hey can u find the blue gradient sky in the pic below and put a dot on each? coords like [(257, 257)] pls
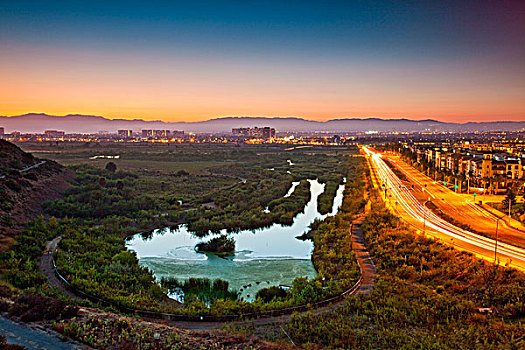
[(171, 60)]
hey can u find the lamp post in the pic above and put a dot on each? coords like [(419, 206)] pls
[(425, 215), (425, 220), (496, 245)]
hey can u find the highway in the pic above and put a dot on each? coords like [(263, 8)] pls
[(399, 198), (460, 207)]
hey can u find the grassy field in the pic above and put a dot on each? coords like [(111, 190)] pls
[(194, 167), (194, 158), (209, 187)]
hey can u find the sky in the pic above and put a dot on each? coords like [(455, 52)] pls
[(195, 60)]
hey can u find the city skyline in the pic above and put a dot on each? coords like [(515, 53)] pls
[(448, 61)]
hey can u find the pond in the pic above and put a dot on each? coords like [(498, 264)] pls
[(264, 257)]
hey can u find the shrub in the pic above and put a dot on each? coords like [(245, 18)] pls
[(34, 307)]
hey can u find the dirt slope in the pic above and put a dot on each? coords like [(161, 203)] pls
[(26, 183)]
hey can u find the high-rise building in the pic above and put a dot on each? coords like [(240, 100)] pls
[(268, 133), (161, 134), (147, 133), (125, 133), (261, 133), (2, 131)]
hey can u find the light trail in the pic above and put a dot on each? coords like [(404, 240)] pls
[(466, 240), (465, 215)]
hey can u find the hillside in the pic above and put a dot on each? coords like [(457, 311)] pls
[(13, 158), (25, 183), (75, 123)]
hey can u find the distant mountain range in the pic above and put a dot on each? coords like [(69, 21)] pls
[(74, 123)]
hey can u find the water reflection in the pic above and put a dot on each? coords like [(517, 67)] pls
[(264, 257)]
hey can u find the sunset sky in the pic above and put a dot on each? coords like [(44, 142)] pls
[(195, 60)]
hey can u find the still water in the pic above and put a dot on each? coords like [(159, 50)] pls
[(264, 257)]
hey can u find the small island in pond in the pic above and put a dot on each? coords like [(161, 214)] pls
[(221, 245)]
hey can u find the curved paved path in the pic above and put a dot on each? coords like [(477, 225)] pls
[(368, 276), (33, 338), (366, 264), (47, 269)]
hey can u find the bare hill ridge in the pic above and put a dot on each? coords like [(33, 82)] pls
[(75, 123), (25, 183)]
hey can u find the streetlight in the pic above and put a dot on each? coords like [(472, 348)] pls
[(425, 215), (425, 220), (496, 245), (510, 203)]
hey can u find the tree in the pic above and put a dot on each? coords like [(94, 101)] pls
[(182, 172), (102, 182), (511, 196), (111, 167)]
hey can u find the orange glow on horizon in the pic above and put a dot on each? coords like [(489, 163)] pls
[(180, 89)]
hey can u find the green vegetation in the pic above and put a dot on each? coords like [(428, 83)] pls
[(221, 245), (517, 209), (19, 265), (106, 331), (326, 199), (201, 289), (427, 296), (98, 263), (129, 200), (107, 203), (229, 193), (95, 259), (271, 293)]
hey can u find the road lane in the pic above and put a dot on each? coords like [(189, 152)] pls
[(460, 207), (401, 200)]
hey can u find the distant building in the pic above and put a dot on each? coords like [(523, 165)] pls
[(157, 134), (486, 166), (514, 169), (178, 134), (54, 134), (241, 131), (125, 133), (147, 133), (256, 132), (268, 133), (161, 134), (2, 131)]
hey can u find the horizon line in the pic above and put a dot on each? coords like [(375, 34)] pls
[(258, 116)]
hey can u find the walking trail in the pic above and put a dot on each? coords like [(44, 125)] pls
[(366, 264)]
